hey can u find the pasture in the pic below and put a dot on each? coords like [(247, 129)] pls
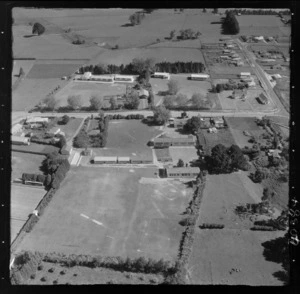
[(24, 199), (128, 138), (216, 252), (112, 212), (86, 89), (31, 91), (25, 163), (262, 25)]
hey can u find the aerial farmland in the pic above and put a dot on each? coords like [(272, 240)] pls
[(150, 146)]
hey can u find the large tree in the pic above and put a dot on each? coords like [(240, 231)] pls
[(220, 161), (173, 87), (50, 102), (96, 102), (193, 124), (132, 100), (113, 103), (38, 29), (74, 101), (238, 161), (81, 140), (161, 114)]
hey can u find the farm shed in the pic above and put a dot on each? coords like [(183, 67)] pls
[(199, 77), (103, 79), (141, 160), (125, 79), (87, 75), (162, 75), (205, 123), (262, 98), (179, 123), (166, 142), (37, 120), (260, 38), (277, 76), (123, 159), (274, 153), (143, 93), (182, 172), (17, 128), (54, 131), (105, 159), (17, 140), (218, 121), (245, 74), (163, 155)]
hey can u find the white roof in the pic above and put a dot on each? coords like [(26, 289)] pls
[(277, 76), (122, 76), (245, 74), (199, 76), (105, 158), (101, 77), (124, 158), (162, 73), (259, 38), (19, 139), (36, 119), (16, 127)]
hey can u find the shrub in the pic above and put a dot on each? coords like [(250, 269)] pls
[(63, 272), (40, 267), (32, 277), (44, 279)]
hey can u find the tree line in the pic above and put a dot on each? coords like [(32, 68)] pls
[(135, 69), (227, 86), (258, 12), (230, 24)]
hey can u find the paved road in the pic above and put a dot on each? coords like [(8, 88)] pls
[(263, 79)]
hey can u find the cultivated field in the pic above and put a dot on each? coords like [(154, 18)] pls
[(110, 212), (24, 200), (128, 138), (86, 89), (25, 163), (216, 252)]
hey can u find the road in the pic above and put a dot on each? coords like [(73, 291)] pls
[(263, 79)]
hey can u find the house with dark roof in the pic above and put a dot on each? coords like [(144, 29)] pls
[(262, 98)]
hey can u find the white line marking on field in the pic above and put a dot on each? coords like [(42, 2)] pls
[(110, 237), (83, 215), (157, 209), (98, 223)]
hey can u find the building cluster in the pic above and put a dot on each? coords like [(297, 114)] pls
[(121, 160), (111, 79)]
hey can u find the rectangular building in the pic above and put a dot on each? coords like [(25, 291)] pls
[(199, 77), (166, 142), (161, 75), (245, 74), (102, 79), (37, 120), (182, 172), (16, 140), (179, 123), (124, 79), (54, 131), (262, 98), (17, 128), (123, 159), (105, 159), (141, 160)]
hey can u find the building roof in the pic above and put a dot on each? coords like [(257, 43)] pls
[(16, 128), (245, 74), (123, 76), (144, 92), (171, 140), (123, 158), (54, 130), (162, 73), (19, 139), (218, 120), (105, 158), (199, 76), (101, 77), (183, 170), (36, 119), (263, 97)]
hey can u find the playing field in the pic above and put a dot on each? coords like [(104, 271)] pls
[(24, 199), (128, 138), (25, 163), (110, 212), (86, 89)]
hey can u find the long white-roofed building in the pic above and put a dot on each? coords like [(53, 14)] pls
[(105, 159), (199, 77), (124, 79), (162, 75)]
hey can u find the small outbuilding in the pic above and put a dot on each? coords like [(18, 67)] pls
[(17, 140), (262, 98)]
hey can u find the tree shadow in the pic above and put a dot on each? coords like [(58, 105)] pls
[(216, 22), (127, 25), (29, 36)]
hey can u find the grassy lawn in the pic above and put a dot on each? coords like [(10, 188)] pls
[(127, 138), (110, 211), (79, 275), (86, 89), (25, 163), (71, 127), (52, 71), (187, 154), (39, 148), (24, 200)]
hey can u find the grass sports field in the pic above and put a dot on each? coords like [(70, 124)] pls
[(24, 200), (128, 138), (110, 212)]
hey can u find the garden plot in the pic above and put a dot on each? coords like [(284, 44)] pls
[(112, 212), (86, 89), (25, 163), (128, 138), (24, 199)]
